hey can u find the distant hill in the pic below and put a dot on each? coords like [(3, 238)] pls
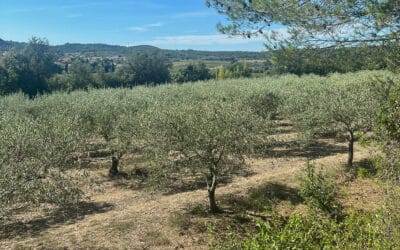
[(105, 50), (177, 55), (7, 45)]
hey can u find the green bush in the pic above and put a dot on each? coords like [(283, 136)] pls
[(388, 127), (318, 191), (359, 230), (388, 120), (370, 167)]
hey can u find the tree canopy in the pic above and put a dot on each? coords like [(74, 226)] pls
[(29, 70), (313, 22), (193, 72), (146, 68), (204, 139)]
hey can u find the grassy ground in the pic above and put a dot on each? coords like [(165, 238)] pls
[(122, 215)]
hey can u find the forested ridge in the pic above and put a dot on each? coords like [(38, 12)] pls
[(105, 50)]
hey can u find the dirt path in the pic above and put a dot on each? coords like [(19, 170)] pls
[(122, 218)]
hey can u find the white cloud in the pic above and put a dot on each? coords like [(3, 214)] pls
[(146, 27), (158, 24), (215, 42), (217, 39), (199, 40), (137, 28)]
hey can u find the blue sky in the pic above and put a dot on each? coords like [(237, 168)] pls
[(169, 24)]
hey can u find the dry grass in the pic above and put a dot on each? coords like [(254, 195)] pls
[(122, 216)]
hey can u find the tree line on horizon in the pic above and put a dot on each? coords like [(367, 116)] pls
[(37, 70)]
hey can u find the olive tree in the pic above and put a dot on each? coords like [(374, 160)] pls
[(36, 158), (344, 104), (116, 118), (203, 138)]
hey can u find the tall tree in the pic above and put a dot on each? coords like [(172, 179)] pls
[(193, 72), (146, 68), (80, 75), (3, 80), (29, 70)]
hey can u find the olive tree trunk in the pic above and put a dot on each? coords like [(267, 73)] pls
[(211, 187), (114, 167), (351, 149)]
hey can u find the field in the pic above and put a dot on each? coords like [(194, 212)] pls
[(214, 65), (250, 139)]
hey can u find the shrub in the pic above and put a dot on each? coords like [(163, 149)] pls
[(318, 192), (358, 230), (389, 130)]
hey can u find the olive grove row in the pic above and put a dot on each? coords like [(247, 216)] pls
[(203, 129)]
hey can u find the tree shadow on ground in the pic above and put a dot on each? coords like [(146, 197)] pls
[(181, 185), (261, 198), (65, 215), (257, 199), (282, 129), (131, 182), (364, 168), (314, 150), (238, 210), (175, 183)]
